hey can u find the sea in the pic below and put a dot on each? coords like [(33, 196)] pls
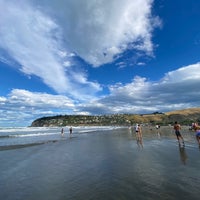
[(11, 137), (98, 163)]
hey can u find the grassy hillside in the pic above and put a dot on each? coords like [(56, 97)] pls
[(186, 116), (185, 112)]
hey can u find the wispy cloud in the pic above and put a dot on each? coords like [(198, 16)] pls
[(99, 30), (33, 40), (41, 37)]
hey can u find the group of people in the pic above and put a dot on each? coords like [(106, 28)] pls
[(70, 131), (195, 127), (177, 128)]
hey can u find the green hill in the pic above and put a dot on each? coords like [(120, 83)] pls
[(186, 117)]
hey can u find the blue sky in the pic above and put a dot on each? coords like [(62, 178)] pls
[(97, 57)]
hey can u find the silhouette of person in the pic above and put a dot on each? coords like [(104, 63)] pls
[(140, 143), (70, 131), (62, 132)]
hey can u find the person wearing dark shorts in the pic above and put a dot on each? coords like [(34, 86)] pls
[(177, 128)]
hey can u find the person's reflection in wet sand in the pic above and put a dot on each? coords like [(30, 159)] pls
[(139, 136), (139, 143), (183, 155), (158, 134)]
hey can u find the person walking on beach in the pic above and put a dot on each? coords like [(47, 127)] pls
[(70, 131), (183, 155), (157, 128), (177, 128), (136, 130), (139, 136), (62, 132)]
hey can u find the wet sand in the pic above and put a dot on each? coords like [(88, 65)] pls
[(104, 165)]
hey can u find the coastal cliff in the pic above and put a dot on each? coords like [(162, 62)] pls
[(186, 117)]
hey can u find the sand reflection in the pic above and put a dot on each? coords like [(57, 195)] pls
[(183, 154)]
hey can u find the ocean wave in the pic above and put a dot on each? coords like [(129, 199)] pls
[(33, 135), (27, 129), (21, 136)]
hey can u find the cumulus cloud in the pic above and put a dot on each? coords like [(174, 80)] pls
[(185, 73), (40, 100), (178, 89), (41, 38), (100, 30), (22, 106)]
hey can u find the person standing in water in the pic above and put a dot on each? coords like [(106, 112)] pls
[(177, 128), (62, 132), (70, 131), (139, 136), (136, 130)]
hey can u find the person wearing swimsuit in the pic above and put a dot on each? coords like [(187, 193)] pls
[(197, 130), (177, 128)]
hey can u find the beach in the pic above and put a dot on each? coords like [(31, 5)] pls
[(101, 164)]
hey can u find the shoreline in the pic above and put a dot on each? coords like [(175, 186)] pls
[(19, 146)]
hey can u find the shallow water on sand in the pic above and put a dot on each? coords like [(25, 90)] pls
[(102, 165)]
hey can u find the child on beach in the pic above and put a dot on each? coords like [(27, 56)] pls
[(177, 128)]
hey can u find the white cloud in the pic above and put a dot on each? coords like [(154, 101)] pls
[(178, 89), (2, 99), (33, 39), (39, 100), (94, 29), (141, 64), (28, 36), (21, 107), (43, 37), (186, 73)]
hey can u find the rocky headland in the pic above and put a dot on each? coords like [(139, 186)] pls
[(185, 117)]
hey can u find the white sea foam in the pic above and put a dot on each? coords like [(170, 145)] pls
[(25, 135), (25, 129), (33, 135)]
